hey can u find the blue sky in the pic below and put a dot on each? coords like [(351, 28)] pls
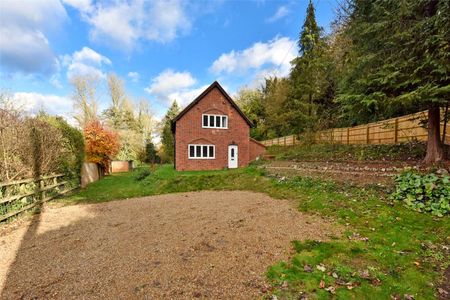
[(164, 50)]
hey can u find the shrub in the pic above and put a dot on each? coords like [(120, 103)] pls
[(341, 152), (101, 144), (72, 144), (424, 192), (142, 174)]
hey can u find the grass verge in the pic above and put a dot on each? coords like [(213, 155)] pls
[(387, 250)]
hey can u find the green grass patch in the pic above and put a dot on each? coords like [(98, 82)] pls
[(165, 180), (386, 249), (400, 251)]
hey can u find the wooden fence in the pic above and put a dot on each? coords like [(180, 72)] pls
[(21, 195), (392, 131)]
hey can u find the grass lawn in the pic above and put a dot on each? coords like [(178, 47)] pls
[(387, 250)]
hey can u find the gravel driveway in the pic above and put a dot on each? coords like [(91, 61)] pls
[(178, 246)]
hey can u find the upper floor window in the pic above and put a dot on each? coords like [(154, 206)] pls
[(214, 121)]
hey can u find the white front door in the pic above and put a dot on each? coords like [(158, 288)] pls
[(232, 156)]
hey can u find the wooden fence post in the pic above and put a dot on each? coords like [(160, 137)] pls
[(348, 135), (285, 141), (41, 187), (395, 130), (367, 135)]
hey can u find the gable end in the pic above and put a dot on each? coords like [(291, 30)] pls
[(215, 84)]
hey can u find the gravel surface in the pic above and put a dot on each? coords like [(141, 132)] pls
[(178, 246)]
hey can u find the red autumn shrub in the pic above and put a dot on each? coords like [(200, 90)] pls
[(102, 144)]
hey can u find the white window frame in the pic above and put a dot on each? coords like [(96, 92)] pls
[(201, 152), (215, 119)]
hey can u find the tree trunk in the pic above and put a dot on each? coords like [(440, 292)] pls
[(435, 150), (444, 131), (310, 105)]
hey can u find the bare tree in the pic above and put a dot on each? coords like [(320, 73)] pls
[(132, 122), (116, 89), (145, 119), (84, 98), (12, 137)]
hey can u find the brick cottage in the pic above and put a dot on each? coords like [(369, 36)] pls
[(212, 133)]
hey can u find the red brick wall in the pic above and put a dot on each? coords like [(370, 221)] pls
[(189, 131), (256, 149), (120, 166)]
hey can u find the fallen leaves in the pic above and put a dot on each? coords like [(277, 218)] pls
[(364, 274), (322, 284), (357, 237), (340, 281), (441, 291), (307, 268), (376, 282), (321, 267), (331, 289)]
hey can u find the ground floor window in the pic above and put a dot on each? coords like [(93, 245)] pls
[(201, 151)]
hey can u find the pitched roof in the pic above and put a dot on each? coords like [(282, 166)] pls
[(215, 84)]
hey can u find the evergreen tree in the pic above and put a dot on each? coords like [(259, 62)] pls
[(167, 138), (399, 63), (151, 155), (308, 76), (310, 34)]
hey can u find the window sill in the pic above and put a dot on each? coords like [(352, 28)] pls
[(223, 128)]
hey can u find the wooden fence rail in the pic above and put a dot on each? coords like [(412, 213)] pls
[(392, 131), (21, 195)]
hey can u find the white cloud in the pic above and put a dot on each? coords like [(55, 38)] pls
[(185, 96), (81, 5), (134, 76), (23, 28), (116, 23), (124, 23), (85, 62), (87, 55), (281, 12), (169, 84), (52, 104), (274, 55), (55, 81)]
